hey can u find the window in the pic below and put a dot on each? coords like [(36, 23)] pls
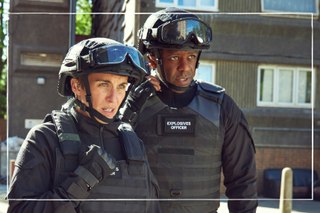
[(206, 72), (297, 6), (284, 86), (203, 5)]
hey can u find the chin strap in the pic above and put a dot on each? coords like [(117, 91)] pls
[(92, 112), (164, 80)]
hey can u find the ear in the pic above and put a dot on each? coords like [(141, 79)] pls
[(153, 61), (75, 86)]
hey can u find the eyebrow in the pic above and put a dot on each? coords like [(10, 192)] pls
[(108, 81), (177, 53), (103, 80)]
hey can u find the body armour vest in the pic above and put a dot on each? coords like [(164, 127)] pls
[(184, 149), (131, 180)]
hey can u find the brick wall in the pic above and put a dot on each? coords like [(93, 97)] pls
[(269, 158), (295, 158)]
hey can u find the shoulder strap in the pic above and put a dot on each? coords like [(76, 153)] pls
[(67, 132), (210, 91), (148, 111), (131, 144)]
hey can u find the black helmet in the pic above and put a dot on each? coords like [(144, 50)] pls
[(100, 55), (174, 28)]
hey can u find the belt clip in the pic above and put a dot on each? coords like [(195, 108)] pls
[(175, 192)]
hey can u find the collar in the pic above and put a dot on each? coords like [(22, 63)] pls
[(177, 100), (93, 128)]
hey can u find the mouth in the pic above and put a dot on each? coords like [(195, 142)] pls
[(108, 112), (183, 80)]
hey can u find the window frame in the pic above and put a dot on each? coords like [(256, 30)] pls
[(295, 95), (285, 12), (198, 7), (213, 72)]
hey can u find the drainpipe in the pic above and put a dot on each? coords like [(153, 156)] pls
[(72, 23)]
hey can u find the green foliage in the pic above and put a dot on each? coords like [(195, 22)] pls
[(83, 17), (3, 95), (3, 60)]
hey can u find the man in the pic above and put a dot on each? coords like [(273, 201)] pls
[(79, 159), (191, 129)]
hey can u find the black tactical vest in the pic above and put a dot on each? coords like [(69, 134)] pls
[(131, 180), (184, 149)]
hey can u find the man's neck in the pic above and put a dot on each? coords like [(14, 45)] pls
[(174, 99)]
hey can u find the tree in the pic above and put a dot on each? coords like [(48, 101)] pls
[(3, 61), (83, 17)]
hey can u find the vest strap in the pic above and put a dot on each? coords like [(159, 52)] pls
[(67, 132)]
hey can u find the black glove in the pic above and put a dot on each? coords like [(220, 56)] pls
[(95, 165), (136, 99)]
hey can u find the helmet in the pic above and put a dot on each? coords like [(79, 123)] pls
[(174, 28), (100, 55)]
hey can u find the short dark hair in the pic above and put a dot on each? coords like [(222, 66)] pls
[(81, 81), (152, 51)]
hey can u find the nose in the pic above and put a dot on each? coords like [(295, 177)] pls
[(112, 96), (183, 65)]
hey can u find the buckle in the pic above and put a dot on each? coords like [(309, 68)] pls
[(89, 98), (175, 192), (132, 116)]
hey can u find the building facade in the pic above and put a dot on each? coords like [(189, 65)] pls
[(264, 53), (38, 41), (261, 53)]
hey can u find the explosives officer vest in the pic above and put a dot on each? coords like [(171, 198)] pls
[(184, 149), (129, 181)]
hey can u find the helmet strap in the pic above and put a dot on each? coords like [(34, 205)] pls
[(198, 57), (92, 112)]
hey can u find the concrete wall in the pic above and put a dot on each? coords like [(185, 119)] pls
[(44, 37)]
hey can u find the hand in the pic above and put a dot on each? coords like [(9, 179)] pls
[(136, 99), (98, 162), (154, 81)]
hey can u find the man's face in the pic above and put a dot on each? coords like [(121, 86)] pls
[(179, 66), (107, 91)]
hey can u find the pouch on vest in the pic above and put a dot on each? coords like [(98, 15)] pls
[(131, 144)]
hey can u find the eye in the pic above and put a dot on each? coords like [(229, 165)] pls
[(174, 58), (192, 56), (122, 86), (103, 84)]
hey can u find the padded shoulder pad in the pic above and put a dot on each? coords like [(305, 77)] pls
[(47, 118), (210, 87), (210, 91)]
